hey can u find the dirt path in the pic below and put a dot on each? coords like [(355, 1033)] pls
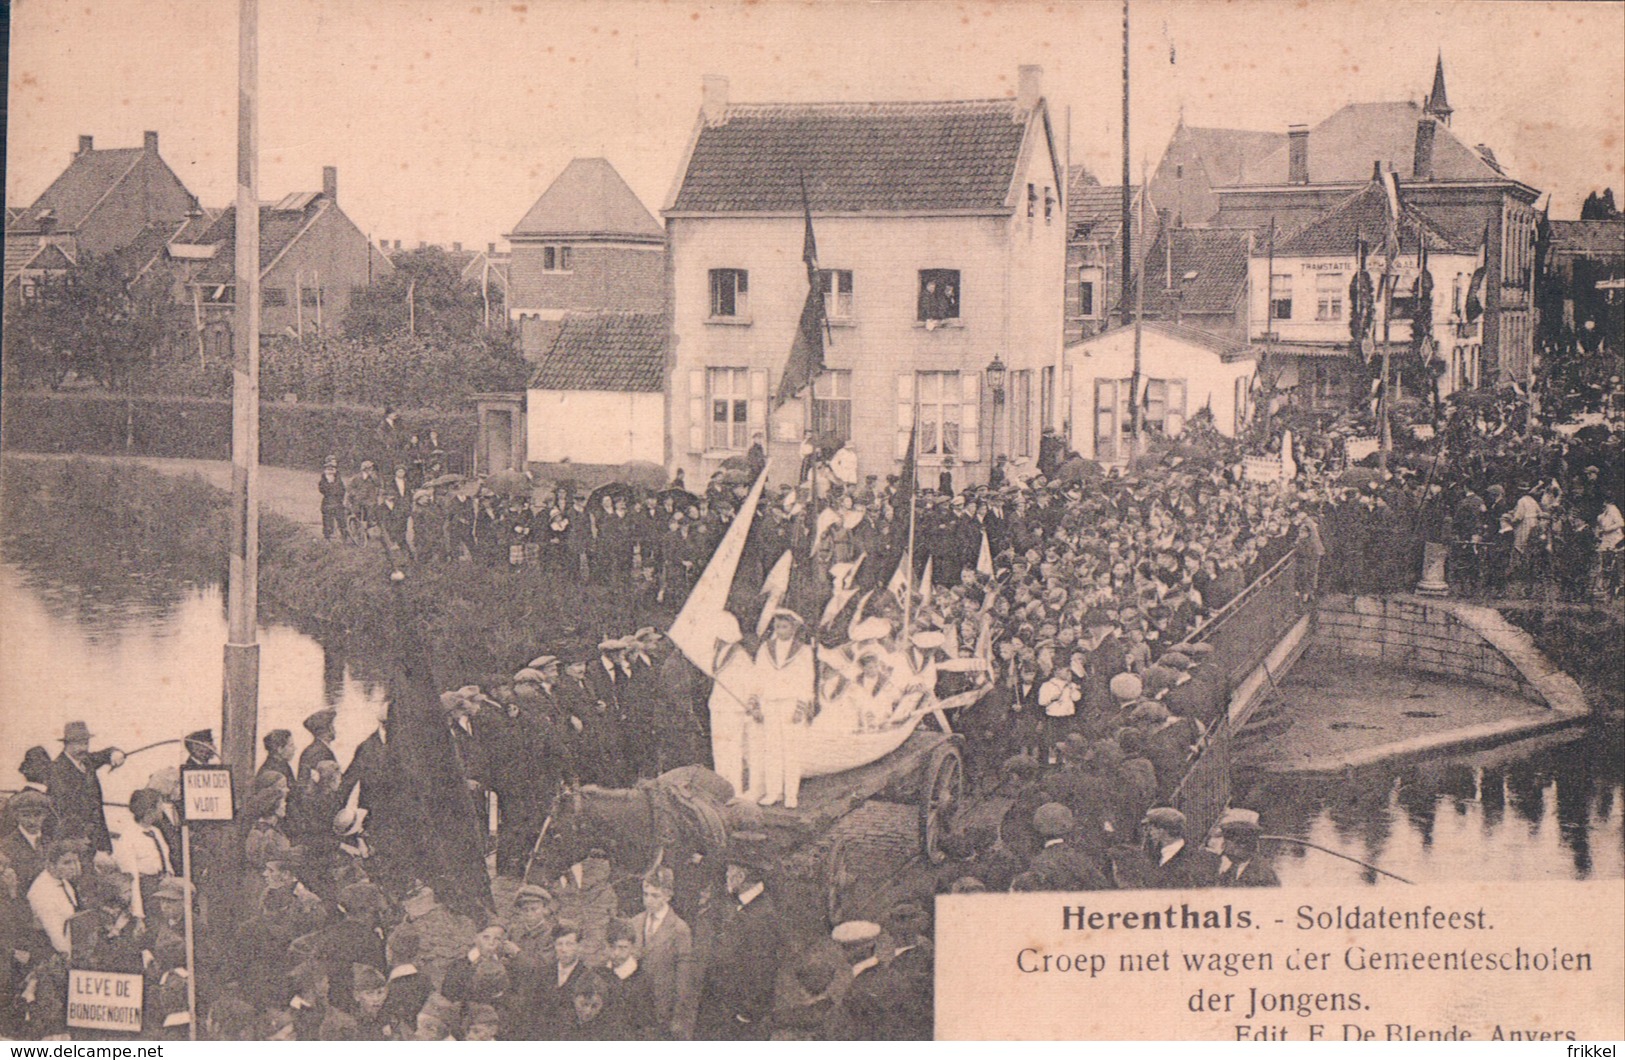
[(288, 492)]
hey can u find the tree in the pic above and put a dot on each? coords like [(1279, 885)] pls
[(94, 321), (425, 296), (1599, 206)]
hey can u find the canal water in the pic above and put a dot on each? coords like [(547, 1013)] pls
[(140, 661)]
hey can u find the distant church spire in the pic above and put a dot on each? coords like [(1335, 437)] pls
[(1438, 104)]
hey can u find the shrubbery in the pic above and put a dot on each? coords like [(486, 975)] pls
[(291, 435)]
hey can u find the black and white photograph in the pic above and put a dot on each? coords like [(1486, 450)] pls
[(604, 521)]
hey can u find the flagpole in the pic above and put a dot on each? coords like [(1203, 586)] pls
[(913, 504)]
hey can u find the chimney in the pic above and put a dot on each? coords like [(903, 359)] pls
[(1029, 87), (397, 244), (714, 99), (1422, 164), (149, 142), (86, 144), (456, 248), (490, 248), (1297, 154), (330, 183)]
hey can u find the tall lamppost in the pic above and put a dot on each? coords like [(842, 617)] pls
[(995, 384)]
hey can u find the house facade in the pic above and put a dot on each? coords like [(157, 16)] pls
[(597, 398), (1094, 252), (940, 232), (587, 245), (312, 258), (1300, 296), (98, 206), (1183, 371)]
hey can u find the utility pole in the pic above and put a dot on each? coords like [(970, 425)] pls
[(1134, 417), (1128, 235), (240, 700)]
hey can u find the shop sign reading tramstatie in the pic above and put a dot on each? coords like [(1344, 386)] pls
[(206, 793)]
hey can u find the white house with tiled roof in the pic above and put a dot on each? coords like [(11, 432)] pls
[(941, 238), (597, 396)]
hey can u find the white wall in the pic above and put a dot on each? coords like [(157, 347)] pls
[(594, 427), (1208, 378)]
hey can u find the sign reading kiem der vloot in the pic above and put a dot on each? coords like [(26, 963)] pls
[(207, 794)]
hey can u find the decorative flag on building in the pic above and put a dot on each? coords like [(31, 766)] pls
[(806, 361)]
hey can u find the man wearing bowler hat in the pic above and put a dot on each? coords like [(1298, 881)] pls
[(740, 976), (76, 790), (200, 749)]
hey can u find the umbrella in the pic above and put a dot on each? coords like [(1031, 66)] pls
[(733, 476), (1078, 470), (619, 490), (643, 473), (681, 497), (736, 463), (445, 480), (512, 483)]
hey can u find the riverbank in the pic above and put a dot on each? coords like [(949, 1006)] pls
[(105, 520)]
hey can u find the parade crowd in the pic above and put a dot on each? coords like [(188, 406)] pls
[(1066, 608)]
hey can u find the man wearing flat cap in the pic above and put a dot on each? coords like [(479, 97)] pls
[(1061, 863), (666, 952), (1175, 863), (25, 844), (76, 790), (1239, 862), (740, 975)]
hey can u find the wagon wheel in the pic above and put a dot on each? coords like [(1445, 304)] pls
[(940, 799), (838, 878)]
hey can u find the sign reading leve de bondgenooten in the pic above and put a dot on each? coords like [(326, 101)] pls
[(104, 1001)]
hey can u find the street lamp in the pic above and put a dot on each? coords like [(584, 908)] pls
[(995, 384)]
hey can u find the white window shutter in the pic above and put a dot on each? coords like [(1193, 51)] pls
[(1065, 410), (757, 412), (970, 417), (905, 412), (696, 410)]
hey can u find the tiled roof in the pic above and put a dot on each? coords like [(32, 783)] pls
[(1230, 156), (1343, 147), (855, 157), (75, 193), (1591, 238), (589, 199), (30, 254), (149, 243), (606, 351), (278, 228), (18, 254), (1218, 257), (1095, 212), (1227, 348), (1364, 215)]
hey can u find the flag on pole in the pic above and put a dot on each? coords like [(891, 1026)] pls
[(693, 630), (806, 361)]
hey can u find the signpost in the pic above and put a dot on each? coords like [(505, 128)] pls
[(205, 796)]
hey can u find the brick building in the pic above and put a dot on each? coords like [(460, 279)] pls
[(1094, 252), (941, 238), (99, 205), (588, 244)]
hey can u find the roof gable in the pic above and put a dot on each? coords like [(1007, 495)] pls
[(1364, 216), (1231, 156), (1095, 212), (856, 157), (75, 193), (589, 199), (1343, 147), (1223, 347), (279, 229), (606, 352)]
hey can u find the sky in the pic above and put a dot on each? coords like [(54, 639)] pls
[(448, 118)]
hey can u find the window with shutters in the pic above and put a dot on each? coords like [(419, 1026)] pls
[(1111, 417), (727, 392), (837, 288), (945, 408), (832, 404), (730, 295), (939, 403), (1165, 405), (939, 295)]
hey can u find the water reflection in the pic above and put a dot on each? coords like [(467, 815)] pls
[(1538, 810), (146, 666)]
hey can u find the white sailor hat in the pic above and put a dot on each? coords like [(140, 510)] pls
[(872, 628), (852, 931)]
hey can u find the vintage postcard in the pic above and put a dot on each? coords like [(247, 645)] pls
[(800, 521)]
